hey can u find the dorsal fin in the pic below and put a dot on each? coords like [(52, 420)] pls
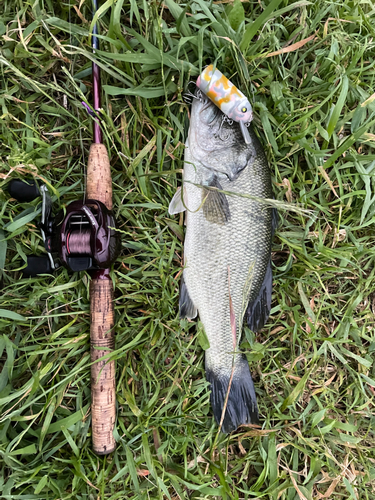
[(258, 310)]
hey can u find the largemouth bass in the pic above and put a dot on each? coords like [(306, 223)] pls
[(227, 275)]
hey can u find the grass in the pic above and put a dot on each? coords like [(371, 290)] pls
[(313, 362)]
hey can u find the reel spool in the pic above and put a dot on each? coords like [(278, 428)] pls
[(83, 235), (87, 238)]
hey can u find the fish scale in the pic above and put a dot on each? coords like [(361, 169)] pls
[(242, 245), (238, 248)]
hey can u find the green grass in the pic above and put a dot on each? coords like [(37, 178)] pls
[(313, 362)]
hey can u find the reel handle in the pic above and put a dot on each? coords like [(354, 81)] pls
[(102, 334), (23, 191), (37, 265)]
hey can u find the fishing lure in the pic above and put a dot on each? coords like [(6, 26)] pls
[(231, 101)]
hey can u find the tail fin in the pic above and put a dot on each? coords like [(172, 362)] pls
[(242, 405)]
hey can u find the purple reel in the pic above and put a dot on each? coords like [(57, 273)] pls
[(86, 236)]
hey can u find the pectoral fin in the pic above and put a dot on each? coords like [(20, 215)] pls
[(215, 204), (176, 205)]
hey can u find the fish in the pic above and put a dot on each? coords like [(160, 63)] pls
[(227, 275), (227, 97)]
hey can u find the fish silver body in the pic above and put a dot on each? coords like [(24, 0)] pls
[(227, 251)]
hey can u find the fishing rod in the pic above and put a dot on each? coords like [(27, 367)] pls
[(102, 332), (83, 238)]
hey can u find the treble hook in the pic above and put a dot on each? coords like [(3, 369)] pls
[(188, 96), (224, 119)]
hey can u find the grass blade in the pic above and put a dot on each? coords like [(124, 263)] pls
[(253, 27)]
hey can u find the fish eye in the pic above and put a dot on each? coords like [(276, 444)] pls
[(244, 109)]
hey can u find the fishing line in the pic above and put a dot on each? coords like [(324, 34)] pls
[(98, 139), (78, 242), (71, 71), (74, 55)]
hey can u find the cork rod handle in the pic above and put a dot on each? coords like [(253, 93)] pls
[(102, 333), (99, 181), (103, 384)]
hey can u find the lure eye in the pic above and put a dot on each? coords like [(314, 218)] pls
[(244, 109)]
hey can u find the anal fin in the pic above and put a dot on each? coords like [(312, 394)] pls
[(258, 310), (187, 308), (274, 221)]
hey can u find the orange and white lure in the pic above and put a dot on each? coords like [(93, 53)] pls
[(231, 101)]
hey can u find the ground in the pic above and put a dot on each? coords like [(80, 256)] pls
[(308, 70)]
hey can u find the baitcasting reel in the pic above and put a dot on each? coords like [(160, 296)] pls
[(83, 235)]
